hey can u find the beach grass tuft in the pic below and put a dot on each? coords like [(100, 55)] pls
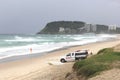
[(97, 63)]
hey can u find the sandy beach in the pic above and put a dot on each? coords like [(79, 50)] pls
[(48, 66)]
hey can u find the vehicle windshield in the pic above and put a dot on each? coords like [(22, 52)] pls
[(68, 54)]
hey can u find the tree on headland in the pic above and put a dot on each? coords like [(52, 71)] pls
[(77, 27), (53, 27)]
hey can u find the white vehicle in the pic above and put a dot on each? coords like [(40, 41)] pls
[(77, 55)]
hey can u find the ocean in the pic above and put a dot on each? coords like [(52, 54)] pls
[(15, 45)]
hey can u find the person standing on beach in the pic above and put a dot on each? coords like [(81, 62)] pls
[(30, 50)]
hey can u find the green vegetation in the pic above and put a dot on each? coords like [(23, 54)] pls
[(53, 27), (75, 27), (105, 60)]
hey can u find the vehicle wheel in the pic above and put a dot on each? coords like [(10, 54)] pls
[(62, 60)]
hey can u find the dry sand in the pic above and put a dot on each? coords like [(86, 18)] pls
[(113, 74), (47, 67)]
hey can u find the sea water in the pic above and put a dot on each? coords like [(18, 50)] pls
[(14, 45)]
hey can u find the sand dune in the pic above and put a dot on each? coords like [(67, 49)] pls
[(113, 74)]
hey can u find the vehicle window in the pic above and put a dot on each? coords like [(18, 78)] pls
[(72, 54), (68, 54), (80, 53)]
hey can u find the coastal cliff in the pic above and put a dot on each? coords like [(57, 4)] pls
[(62, 27), (77, 27)]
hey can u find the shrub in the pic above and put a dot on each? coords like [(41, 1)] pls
[(91, 70), (95, 64)]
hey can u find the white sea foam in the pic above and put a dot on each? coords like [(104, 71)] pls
[(45, 44), (22, 40)]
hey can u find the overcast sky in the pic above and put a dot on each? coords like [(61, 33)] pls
[(30, 16)]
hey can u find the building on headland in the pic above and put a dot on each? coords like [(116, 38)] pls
[(87, 27), (102, 28), (78, 27), (61, 29), (90, 27), (112, 27), (95, 28)]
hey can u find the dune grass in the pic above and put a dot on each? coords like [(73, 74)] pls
[(95, 64)]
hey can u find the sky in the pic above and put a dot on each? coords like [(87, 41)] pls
[(30, 16)]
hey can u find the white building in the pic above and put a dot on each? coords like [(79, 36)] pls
[(61, 29), (87, 27), (90, 27), (112, 27), (94, 27)]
